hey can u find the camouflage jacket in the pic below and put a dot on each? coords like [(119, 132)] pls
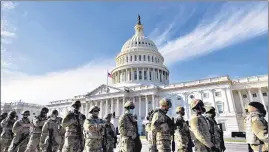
[(7, 125), (200, 133), (71, 122), (110, 132), (19, 127), (38, 123), (93, 128), (126, 125), (215, 131), (182, 133), (51, 128)]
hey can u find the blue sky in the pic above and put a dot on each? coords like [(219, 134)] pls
[(61, 49)]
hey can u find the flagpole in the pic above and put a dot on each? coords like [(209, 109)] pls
[(106, 77)]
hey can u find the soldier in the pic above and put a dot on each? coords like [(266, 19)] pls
[(256, 127), (214, 129), (161, 127), (200, 128), (50, 139), (110, 134), (73, 124), (37, 124), (183, 138), (61, 133), (21, 130), (2, 117), (7, 134), (128, 129), (94, 131)]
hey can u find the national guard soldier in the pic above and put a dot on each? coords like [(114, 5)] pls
[(2, 117), (161, 127), (61, 133), (182, 133), (200, 128), (110, 134), (7, 134), (148, 130), (37, 124), (21, 130), (256, 127), (245, 119), (73, 124), (50, 139), (128, 128), (94, 131), (214, 129)]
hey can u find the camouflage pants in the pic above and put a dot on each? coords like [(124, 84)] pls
[(201, 148), (260, 148), (18, 147), (182, 147), (93, 145), (163, 145), (33, 144), (72, 144), (127, 145), (61, 145), (5, 144), (109, 146)]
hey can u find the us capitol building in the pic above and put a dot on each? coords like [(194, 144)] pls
[(141, 76)]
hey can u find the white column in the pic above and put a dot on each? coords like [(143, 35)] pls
[(186, 105), (123, 102), (153, 102), (106, 110), (139, 106), (261, 97), (112, 106), (82, 108), (250, 96), (241, 101), (147, 105), (213, 97), (101, 109), (226, 100), (118, 108), (148, 74)]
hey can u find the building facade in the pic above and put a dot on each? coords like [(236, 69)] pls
[(141, 76), (20, 106)]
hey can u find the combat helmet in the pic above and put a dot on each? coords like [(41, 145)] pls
[(129, 104), (26, 112), (208, 109), (179, 109), (54, 112), (75, 102), (166, 102), (12, 113), (256, 107), (196, 102), (94, 108), (44, 110)]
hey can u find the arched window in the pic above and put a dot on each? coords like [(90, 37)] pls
[(135, 75), (140, 75)]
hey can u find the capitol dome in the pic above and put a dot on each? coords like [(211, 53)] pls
[(139, 62)]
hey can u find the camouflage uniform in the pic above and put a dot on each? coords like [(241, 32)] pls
[(149, 134), (182, 133), (73, 124), (2, 117), (128, 130), (110, 134), (61, 133), (50, 134), (160, 127), (38, 122), (21, 130), (200, 130), (7, 134), (256, 128), (93, 130)]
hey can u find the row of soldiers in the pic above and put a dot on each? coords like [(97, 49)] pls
[(73, 133)]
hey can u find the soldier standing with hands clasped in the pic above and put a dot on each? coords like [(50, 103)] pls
[(93, 128), (161, 127), (21, 130), (73, 124), (200, 128)]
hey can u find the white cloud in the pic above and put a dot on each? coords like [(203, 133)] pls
[(233, 24), (55, 85), (7, 5)]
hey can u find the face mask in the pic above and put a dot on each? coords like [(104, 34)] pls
[(131, 111), (53, 118)]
